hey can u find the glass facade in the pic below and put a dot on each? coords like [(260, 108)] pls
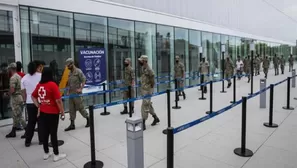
[(54, 36)]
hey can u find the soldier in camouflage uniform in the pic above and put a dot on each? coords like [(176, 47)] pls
[(282, 63), (16, 100), (245, 62), (129, 77), (75, 85), (265, 65), (147, 88), (229, 70), (258, 64), (276, 65), (179, 74), (291, 62), (204, 71)]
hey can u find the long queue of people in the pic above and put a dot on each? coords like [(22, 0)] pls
[(38, 92)]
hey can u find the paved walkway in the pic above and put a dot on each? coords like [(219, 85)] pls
[(207, 145)]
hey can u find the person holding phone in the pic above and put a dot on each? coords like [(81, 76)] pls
[(50, 106)]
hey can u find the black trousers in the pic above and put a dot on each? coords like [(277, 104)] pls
[(49, 127), (32, 120)]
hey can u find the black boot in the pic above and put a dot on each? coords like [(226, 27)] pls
[(143, 125), (12, 133), (125, 110), (24, 136), (229, 84), (132, 110), (184, 95), (88, 122), (179, 93), (71, 126), (205, 89), (156, 120), (249, 79)]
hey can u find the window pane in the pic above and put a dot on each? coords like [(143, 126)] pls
[(207, 49), (216, 38), (165, 54), (194, 56), (145, 44), (121, 46)]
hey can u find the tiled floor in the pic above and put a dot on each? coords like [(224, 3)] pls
[(207, 145)]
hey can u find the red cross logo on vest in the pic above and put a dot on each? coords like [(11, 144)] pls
[(41, 92)]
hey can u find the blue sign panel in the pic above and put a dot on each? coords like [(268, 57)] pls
[(92, 63)]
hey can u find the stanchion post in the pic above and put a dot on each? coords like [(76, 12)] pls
[(202, 93), (293, 78), (223, 75), (168, 111), (130, 103), (104, 101), (210, 98), (176, 96), (93, 163), (288, 95), (170, 148), (243, 151), (234, 89), (270, 124)]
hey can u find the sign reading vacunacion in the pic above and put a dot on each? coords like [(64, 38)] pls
[(92, 63)]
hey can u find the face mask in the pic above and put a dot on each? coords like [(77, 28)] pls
[(126, 64), (141, 63), (176, 61), (70, 67)]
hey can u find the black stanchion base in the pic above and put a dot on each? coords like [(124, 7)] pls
[(232, 102), (176, 107), (165, 131), (60, 143), (104, 113), (202, 98), (245, 153), (208, 112), (250, 94), (98, 164), (223, 91), (270, 125), (288, 108)]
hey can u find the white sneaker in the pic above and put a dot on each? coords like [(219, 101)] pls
[(59, 157), (47, 155)]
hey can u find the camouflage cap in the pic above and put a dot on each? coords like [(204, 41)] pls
[(143, 58), (128, 60), (12, 65), (69, 61)]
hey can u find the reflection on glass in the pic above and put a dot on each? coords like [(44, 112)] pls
[(145, 44), (181, 47), (194, 60), (216, 38), (207, 49), (165, 54), (232, 48), (120, 46)]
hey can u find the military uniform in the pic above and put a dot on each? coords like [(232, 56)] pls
[(229, 70), (75, 80), (282, 64), (147, 88), (258, 63), (265, 65), (179, 70), (276, 65), (291, 63), (204, 71), (16, 102), (129, 77), (245, 62)]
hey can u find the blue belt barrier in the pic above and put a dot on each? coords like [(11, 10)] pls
[(205, 118), (280, 82), (128, 100), (259, 92)]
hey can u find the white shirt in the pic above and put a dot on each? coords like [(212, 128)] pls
[(239, 64), (29, 83)]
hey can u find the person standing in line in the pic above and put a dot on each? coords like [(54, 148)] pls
[(229, 66), (179, 74), (239, 68), (129, 80), (282, 63), (266, 63), (258, 64), (245, 62), (47, 98), (275, 64), (28, 85), (204, 69), (19, 69), (291, 62), (147, 88), (75, 85), (16, 100)]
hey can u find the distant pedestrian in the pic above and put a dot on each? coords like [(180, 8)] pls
[(179, 75), (129, 80)]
